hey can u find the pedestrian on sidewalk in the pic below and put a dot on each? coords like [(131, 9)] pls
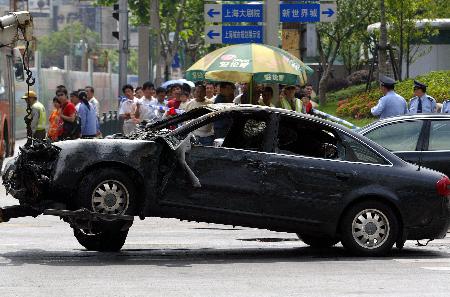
[(38, 116), (146, 106), (391, 104), (205, 134), (92, 100), (71, 127), (288, 100), (128, 109), (55, 127), (421, 103), (267, 96), (88, 118)]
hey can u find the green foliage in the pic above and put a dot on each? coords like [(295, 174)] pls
[(359, 105), (345, 93), (54, 46)]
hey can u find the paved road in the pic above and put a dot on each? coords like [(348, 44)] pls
[(165, 257)]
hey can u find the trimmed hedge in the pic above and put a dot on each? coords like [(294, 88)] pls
[(359, 105)]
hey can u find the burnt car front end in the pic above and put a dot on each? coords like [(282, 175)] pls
[(48, 176)]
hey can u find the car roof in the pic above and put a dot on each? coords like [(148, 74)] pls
[(250, 107), (419, 116)]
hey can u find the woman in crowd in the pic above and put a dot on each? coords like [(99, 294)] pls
[(88, 117), (55, 122)]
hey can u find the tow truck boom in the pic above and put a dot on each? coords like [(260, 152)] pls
[(15, 26)]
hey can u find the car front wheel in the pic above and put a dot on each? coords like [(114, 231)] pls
[(369, 228), (106, 191)]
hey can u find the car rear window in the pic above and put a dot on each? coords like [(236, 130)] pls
[(439, 136), (399, 136)]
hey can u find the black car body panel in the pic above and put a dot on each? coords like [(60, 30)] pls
[(276, 169)]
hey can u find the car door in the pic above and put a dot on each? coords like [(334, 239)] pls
[(311, 171), (230, 175), (403, 138), (436, 151)]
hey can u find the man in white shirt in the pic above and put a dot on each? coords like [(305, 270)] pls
[(146, 106), (128, 109), (205, 134), (210, 91), (92, 100)]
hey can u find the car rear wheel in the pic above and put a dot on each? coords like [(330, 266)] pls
[(318, 242), (369, 228), (106, 191)]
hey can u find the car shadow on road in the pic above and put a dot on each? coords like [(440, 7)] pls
[(189, 257)]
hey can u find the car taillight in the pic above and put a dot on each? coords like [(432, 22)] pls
[(443, 186)]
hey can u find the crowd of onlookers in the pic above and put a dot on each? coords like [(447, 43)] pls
[(151, 104), (74, 115)]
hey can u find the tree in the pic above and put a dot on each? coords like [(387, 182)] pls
[(174, 23), (61, 43), (353, 16), (382, 46), (403, 32)]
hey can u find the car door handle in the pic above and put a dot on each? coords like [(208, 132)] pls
[(343, 176)]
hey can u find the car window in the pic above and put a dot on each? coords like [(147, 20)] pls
[(359, 152), (400, 136), (307, 138), (439, 136), (231, 130)]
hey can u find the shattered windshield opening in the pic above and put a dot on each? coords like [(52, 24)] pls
[(180, 119)]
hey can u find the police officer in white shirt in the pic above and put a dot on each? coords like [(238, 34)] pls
[(391, 104), (421, 103), (446, 106)]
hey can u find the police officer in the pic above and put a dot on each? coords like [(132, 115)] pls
[(38, 115), (421, 103), (391, 104), (446, 106)]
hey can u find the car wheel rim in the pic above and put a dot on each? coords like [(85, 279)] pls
[(370, 228), (110, 197)]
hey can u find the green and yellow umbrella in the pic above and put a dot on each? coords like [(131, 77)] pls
[(244, 62)]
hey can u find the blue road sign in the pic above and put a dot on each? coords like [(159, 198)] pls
[(234, 13), (234, 34), (304, 13), (308, 12)]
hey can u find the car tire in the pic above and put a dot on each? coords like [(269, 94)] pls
[(318, 242), (107, 191), (369, 229), (103, 241)]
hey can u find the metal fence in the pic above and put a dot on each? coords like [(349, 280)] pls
[(110, 123)]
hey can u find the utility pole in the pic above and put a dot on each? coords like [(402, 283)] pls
[(123, 43), (272, 19), (271, 28), (144, 53)]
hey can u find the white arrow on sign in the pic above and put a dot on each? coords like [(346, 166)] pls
[(213, 13), (213, 34), (328, 12)]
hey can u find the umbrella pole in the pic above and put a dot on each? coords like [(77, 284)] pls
[(251, 91)]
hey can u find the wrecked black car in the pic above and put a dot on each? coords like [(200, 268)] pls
[(274, 169)]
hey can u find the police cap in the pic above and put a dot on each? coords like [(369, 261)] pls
[(419, 85), (387, 81)]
